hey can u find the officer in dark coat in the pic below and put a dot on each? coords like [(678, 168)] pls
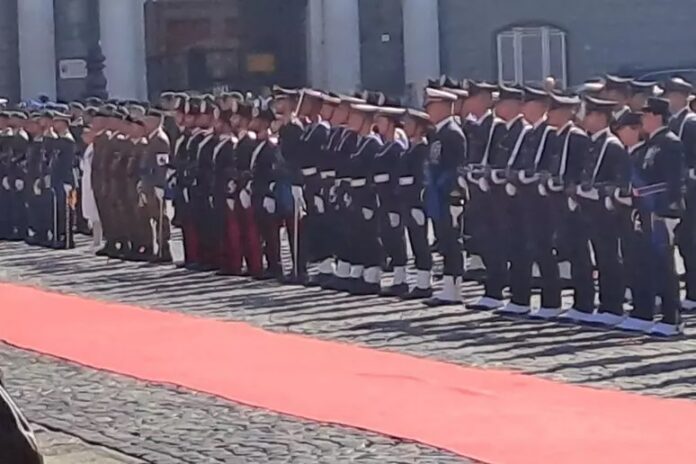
[(658, 174), (63, 181), (683, 125), (446, 192)]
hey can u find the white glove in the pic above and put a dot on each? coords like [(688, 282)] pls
[(230, 204), (542, 190), (19, 185), (186, 195), (47, 182), (455, 212), (142, 200), (670, 224), (592, 194), (626, 201), (510, 189), (231, 187), (162, 159), (572, 204), (67, 188), (461, 181), (418, 215), (37, 187), (609, 204), (319, 204), (159, 193), (483, 184), (269, 204), (6, 183), (245, 199), (368, 213), (394, 220)]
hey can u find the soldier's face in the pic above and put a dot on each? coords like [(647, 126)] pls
[(560, 116), (677, 101), (281, 106), (637, 102), (615, 95), (340, 114), (189, 120), (651, 122), (508, 109), (629, 135), (533, 111), (410, 127), (355, 120), (595, 121), (326, 112), (384, 125), (438, 111)]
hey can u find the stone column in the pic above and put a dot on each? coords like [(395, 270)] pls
[(334, 44), (37, 52), (421, 44), (122, 33)]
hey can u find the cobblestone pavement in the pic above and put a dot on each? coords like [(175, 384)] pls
[(454, 334), (60, 448)]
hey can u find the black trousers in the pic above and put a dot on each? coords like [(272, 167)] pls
[(573, 244), (490, 232), (418, 235), (520, 256), (543, 230), (317, 243), (448, 233), (686, 241), (605, 233), (5, 213), (654, 272), (391, 226), (368, 250)]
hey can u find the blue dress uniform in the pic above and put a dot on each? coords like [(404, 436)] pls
[(445, 196), (63, 184), (391, 224), (526, 224), (568, 145), (366, 256), (657, 178), (491, 141), (606, 169), (411, 189), (36, 234), (17, 174), (346, 146), (683, 125)]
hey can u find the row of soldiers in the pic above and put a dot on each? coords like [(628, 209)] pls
[(518, 176)]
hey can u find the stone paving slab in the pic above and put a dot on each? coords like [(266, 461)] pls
[(61, 448), (454, 334)]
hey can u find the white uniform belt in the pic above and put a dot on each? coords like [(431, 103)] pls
[(381, 178), (358, 182), (498, 176), (327, 174), (407, 180), (309, 171), (526, 180), (555, 187), (692, 174)]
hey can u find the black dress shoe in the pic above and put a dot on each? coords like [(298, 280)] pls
[(318, 280), (363, 288), (395, 290), (333, 283), (436, 302), (228, 273), (269, 275), (418, 294), (292, 279)]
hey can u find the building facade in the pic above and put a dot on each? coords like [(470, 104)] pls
[(344, 45)]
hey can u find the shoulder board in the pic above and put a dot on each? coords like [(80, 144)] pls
[(251, 135), (120, 136), (68, 136), (273, 140), (22, 133)]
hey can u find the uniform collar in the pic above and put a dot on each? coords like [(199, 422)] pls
[(510, 123), (479, 121), (443, 123), (598, 134), (155, 133), (681, 112), (657, 132), (564, 127), (633, 148), (541, 121)]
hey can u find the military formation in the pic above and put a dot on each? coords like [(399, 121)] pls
[(599, 184)]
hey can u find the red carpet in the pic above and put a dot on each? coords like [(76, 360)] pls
[(494, 416)]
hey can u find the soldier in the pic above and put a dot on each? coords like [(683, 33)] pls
[(77, 126), (63, 181), (411, 187), (32, 194), (356, 128), (529, 243), (87, 201), (448, 153), (202, 188), (606, 169), (658, 179), (366, 256), (264, 164), (226, 227), (17, 174), (136, 201), (501, 140), (385, 175), (683, 125), (567, 146), (156, 166)]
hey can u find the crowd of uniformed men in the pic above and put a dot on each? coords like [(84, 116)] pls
[(604, 181)]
